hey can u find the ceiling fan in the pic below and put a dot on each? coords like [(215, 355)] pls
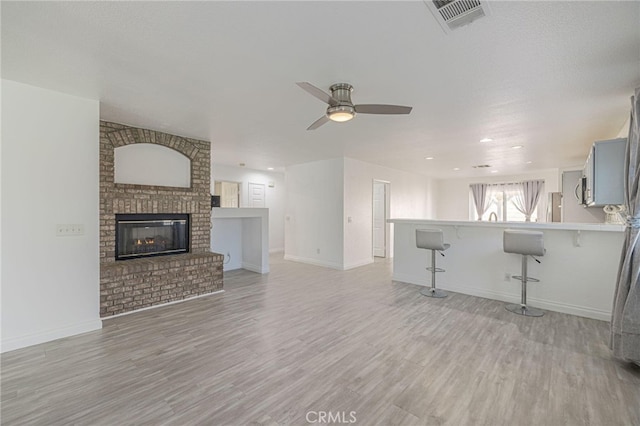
[(340, 106)]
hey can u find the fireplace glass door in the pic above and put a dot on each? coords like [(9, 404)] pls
[(145, 235)]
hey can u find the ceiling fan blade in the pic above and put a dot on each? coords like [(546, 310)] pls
[(318, 93), (319, 122), (382, 109)]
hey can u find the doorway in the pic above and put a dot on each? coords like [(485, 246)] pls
[(229, 193), (256, 195), (380, 213)]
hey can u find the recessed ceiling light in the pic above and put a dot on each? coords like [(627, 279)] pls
[(517, 146), (486, 140), (456, 168), (428, 158), (494, 171), (529, 162), (269, 168)]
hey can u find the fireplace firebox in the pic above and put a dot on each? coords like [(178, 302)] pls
[(146, 235)]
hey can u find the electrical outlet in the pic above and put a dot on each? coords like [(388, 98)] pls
[(507, 276), (318, 251)]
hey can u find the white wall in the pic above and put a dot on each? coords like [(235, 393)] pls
[(226, 239), (453, 194), (274, 196), (50, 284), (314, 211), (323, 195), (624, 130), (411, 196)]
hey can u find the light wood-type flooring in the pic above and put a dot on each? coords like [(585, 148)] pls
[(306, 339)]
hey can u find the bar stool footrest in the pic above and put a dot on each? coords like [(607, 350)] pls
[(529, 279), (430, 268)]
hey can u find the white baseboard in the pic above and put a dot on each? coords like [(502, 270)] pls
[(255, 268), (315, 262), (276, 250), (359, 263), (332, 265), (14, 343), (565, 308), (231, 266)]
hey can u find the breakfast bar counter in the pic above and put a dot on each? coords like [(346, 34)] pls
[(577, 274)]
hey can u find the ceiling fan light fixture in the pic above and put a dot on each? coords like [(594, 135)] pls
[(341, 113), (341, 116), (341, 108)]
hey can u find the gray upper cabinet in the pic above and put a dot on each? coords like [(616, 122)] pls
[(604, 173)]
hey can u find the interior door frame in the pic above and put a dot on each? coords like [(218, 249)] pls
[(387, 209)]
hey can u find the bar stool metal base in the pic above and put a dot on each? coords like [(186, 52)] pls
[(524, 310), (434, 292)]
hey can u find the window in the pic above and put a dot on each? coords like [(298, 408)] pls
[(501, 202)]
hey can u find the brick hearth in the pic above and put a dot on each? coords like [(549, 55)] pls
[(134, 284)]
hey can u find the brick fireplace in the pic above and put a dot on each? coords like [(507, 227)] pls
[(127, 285)]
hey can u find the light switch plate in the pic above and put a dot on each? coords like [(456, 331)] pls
[(69, 230)]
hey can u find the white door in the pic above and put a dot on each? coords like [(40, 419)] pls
[(256, 195), (229, 194), (379, 219)]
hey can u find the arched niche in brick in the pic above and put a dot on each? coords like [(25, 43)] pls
[(151, 164)]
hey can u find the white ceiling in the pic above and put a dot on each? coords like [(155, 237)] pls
[(550, 76)]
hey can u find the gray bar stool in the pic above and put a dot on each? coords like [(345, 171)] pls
[(526, 243), (432, 239)]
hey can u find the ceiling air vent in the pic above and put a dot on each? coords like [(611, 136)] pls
[(453, 14), (481, 166)]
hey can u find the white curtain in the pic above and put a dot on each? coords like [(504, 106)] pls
[(625, 319), (481, 197), (527, 197)]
